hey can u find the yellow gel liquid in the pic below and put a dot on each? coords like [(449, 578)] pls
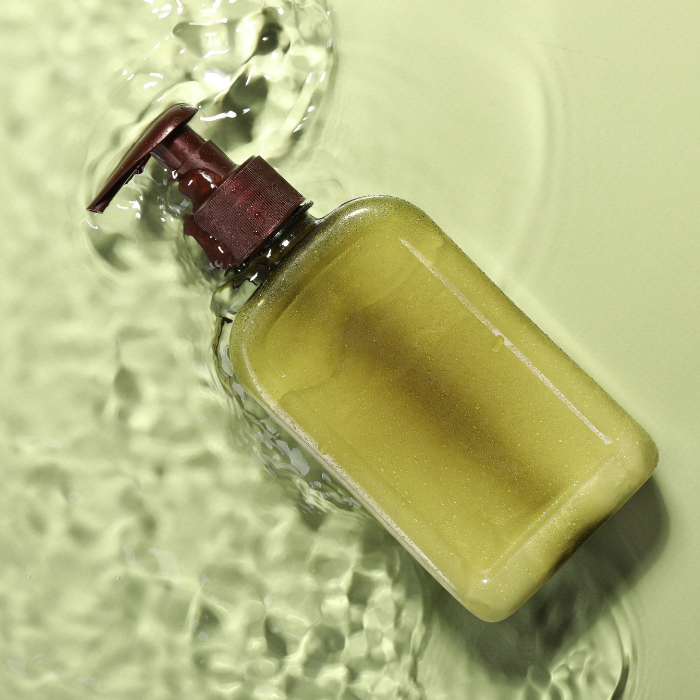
[(485, 450)]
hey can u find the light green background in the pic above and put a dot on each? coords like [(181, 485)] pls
[(557, 143)]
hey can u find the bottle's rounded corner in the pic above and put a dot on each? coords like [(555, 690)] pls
[(651, 453), (490, 604), (640, 452)]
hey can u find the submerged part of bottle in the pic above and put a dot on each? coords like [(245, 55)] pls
[(476, 441)]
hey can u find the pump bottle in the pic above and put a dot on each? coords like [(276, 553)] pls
[(477, 442)]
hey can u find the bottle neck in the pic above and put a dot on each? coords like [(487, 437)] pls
[(257, 268), (230, 296)]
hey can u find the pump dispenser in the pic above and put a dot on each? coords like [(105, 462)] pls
[(477, 442), (237, 208)]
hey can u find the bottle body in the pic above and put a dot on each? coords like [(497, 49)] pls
[(472, 437)]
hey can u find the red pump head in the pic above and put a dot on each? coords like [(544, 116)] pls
[(236, 207)]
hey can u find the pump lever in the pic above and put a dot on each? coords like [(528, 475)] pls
[(135, 159)]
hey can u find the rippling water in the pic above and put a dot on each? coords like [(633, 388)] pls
[(161, 537)]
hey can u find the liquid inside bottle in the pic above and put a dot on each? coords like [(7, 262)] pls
[(485, 449)]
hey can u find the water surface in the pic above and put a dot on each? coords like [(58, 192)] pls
[(160, 542)]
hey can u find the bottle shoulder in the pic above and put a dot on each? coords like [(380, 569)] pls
[(373, 209), (367, 230), (380, 219)]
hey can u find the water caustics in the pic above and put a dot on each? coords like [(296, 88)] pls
[(149, 555)]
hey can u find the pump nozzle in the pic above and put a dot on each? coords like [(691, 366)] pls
[(236, 207)]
